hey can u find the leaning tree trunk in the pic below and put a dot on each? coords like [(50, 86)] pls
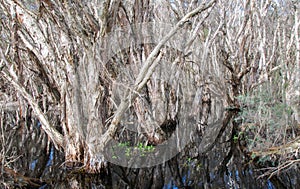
[(65, 46), (57, 40)]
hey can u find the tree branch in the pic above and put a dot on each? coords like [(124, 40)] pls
[(54, 135), (146, 72)]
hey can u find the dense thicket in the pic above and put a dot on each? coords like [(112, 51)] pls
[(76, 75)]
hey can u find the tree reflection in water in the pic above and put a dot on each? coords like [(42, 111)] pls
[(36, 164)]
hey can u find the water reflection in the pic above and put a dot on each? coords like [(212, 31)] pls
[(199, 165), (33, 164), (51, 157)]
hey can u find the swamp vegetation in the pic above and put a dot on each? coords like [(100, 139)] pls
[(149, 94)]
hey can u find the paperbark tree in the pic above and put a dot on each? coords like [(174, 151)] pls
[(58, 45), (86, 68)]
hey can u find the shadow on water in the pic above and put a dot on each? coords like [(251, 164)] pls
[(213, 160)]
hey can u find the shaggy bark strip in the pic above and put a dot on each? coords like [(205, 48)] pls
[(55, 136), (145, 73)]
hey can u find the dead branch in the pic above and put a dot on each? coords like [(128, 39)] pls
[(55, 136), (145, 73)]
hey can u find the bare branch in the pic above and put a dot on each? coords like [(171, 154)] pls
[(145, 71), (55, 136)]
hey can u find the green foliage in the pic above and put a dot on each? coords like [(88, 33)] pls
[(193, 163), (128, 150), (235, 138), (265, 116), (124, 144)]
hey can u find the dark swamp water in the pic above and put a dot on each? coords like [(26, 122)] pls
[(213, 160)]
